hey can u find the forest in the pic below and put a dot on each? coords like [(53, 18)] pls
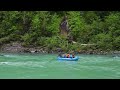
[(90, 30)]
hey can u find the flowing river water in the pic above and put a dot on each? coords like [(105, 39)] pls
[(46, 66)]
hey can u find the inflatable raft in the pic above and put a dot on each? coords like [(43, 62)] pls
[(68, 59)]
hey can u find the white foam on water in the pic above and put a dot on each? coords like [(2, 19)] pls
[(1, 63), (25, 64), (107, 66), (10, 56)]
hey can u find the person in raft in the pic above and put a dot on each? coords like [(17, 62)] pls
[(62, 55), (67, 55), (73, 55)]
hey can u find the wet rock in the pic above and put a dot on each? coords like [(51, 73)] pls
[(26, 51)]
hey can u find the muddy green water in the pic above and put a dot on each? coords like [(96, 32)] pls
[(46, 66)]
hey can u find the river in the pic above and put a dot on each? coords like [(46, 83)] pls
[(46, 66)]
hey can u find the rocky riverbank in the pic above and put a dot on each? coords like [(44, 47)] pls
[(18, 48)]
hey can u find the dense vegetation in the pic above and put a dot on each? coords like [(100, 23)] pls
[(41, 28)]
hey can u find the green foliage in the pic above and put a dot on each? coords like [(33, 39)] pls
[(4, 40), (90, 16), (53, 25), (103, 41), (76, 24), (41, 41), (41, 28), (116, 43), (26, 39)]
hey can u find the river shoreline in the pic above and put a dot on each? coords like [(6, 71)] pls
[(18, 48)]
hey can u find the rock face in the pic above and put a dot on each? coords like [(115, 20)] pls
[(17, 48), (64, 30), (14, 47)]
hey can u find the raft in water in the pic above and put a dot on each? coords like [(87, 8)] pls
[(68, 59)]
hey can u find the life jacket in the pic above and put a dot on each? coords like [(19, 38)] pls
[(68, 55), (73, 55)]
